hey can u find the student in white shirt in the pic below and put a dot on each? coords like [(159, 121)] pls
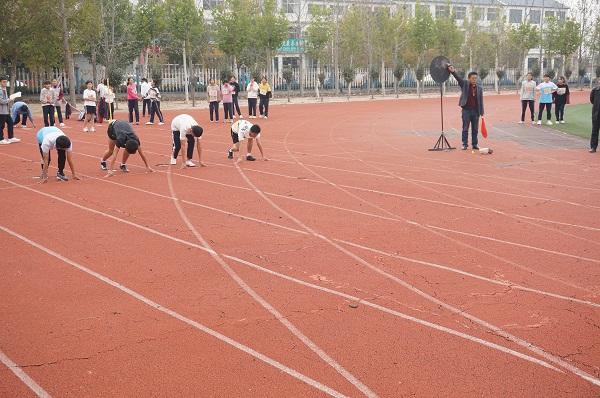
[(89, 101), (186, 130), (240, 131), (110, 103), (49, 138), (102, 90), (528, 87), (144, 87), (252, 90)]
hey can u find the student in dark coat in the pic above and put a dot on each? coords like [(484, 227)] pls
[(595, 100)]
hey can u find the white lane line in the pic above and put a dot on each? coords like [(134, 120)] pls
[(264, 303), (295, 374), (241, 261), (24, 377)]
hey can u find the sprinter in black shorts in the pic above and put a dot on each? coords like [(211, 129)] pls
[(241, 130), (121, 135)]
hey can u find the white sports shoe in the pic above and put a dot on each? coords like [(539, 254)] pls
[(85, 130), (4, 142), (549, 123), (539, 122), (562, 122), (92, 129), (149, 123), (62, 125), (173, 161), (14, 140), (190, 163), (160, 123), (521, 122)]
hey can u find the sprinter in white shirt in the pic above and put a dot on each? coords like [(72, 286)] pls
[(240, 131), (49, 138), (186, 131)]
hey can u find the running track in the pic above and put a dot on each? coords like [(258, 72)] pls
[(354, 263)]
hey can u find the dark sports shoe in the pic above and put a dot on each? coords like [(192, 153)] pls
[(61, 177), (124, 168), (103, 165), (593, 150), (250, 158), (475, 148), (464, 147), (230, 155)]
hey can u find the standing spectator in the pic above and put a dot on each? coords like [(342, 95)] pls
[(48, 98), (102, 90), (110, 103), (213, 92), (144, 92), (471, 102), (60, 98), (264, 94), (153, 96), (528, 98), (20, 112), (89, 101), (236, 106), (5, 118), (547, 88), (252, 91), (594, 99), (132, 101), (227, 95), (561, 98)]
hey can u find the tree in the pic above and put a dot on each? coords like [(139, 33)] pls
[(271, 30), (149, 25), (499, 38), (421, 34), (348, 74), (184, 23), (318, 35), (352, 41), (448, 36), (562, 38), (88, 32), (523, 38), (386, 35), (232, 33), (398, 75)]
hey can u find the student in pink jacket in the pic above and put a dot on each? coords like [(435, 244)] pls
[(227, 93), (132, 101)]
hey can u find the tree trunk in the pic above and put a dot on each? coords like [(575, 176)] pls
[(470, 58), (318, 82), (67, 53), (185, 74), (301, 75), (592, 75), (146, 56), (192, 81), (288, 91), (382, 77), (13, 76), (94, 67), (496, 85)]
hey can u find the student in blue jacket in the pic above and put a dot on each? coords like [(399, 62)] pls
[(20, 112)]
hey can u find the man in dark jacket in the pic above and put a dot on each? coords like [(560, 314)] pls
[(236, 106), (471, 102), (595, 100)]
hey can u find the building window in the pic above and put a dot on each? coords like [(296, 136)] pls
[(478, 13), (515, 16), (460, 12), (492, 14), (549, 14), (441, 11), (561, 15), (407, 10), (210, 4), (288, 6), (535, 16)]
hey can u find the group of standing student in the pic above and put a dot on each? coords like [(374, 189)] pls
[(228, 93), (550, 93)]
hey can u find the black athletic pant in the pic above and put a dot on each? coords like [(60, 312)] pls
[(252, 106), (48, 112), (6, 120), (263, 105), (62, 159), (154, 110), (59, 113), (214, 108), (21, 117), (228, 110), (524, 105), (560, 110), (146, 103), (133, 107), (177, 145), (548, 111), (595, 131), (236, 106)]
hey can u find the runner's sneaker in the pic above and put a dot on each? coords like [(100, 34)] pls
[(189, 163), (593, 150), (465, 147), (562, 122), (61, 177), (92, 130), (62, 125), (103, 165), (85, 130), (521, 122), (124, 168), (250, 158), (160, 123), (4, 142), (229, 155), (12, 140), (241, 116), (533, 122), (173, 161), (475, 148), (539, 122), (149, 123)]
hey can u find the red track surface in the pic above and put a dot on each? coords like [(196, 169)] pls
[(477, 275)]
